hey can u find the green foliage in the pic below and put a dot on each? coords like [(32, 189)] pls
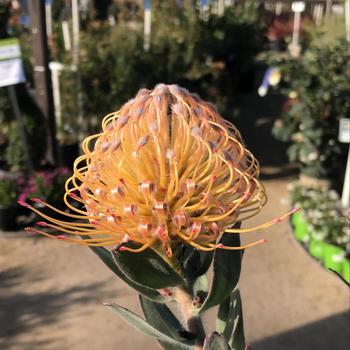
[(320, 83), (209, 56), (326, 219), (146, 328), (9, 191), (160, 317), (147, 268), (226, 272), (107, 258)]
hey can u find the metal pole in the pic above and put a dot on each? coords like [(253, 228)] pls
[(21, 126), (296, 28), (76, 62), (42, 77), (345, 199), (347, 19)]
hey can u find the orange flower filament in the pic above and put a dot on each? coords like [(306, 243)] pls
[(165, 168)]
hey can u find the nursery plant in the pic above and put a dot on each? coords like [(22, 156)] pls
[(163, 190), (318, 88), (10, 185)]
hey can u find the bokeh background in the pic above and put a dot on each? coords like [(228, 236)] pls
[(279, 70)]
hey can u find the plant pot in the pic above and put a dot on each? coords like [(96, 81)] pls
[(317, 249), (8, 218), (346, 270), (297, 218), (333, 258), (68, 154), (301, 231)]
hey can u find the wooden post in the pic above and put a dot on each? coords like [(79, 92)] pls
[(42, 77)]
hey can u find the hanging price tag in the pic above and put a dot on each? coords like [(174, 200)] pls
[(344, 130), (11, 68), (298, 6), (147, 25)]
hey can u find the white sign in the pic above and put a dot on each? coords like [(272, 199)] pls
[(11, 68), (298, 6), (344, 130)]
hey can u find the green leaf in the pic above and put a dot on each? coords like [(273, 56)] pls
[(226, 271), (106, 257), (160, 317), (216, 341), (145, 327), (223, 315), (147, 268), (196, 263), (230, 321), (237, 339)]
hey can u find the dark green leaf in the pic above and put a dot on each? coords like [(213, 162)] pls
[(145, 327), (160, 317), (226, 271), (106, 256), (147, 268), (216, 341), (196, 263)]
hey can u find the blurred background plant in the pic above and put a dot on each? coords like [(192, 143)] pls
[(318, 87), (47, 185)]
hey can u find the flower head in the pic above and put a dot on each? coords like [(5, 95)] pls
[(166, 168)]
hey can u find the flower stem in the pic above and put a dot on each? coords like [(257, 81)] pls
[(194, 323)]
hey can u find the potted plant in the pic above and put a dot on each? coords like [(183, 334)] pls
[(46, 185), (9, 210), (324, 221), (318, 91)]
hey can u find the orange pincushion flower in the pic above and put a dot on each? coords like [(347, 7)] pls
[(165, 168)]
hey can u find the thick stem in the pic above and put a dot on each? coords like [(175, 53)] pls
[(194, 323)]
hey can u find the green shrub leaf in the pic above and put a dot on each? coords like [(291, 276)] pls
[(145, 327), (226, 271), (160, 317)]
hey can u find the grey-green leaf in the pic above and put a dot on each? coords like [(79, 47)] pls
[(106, 257), (145, 327), (226, 271), (147, 268), (216, 341), (237, 339), (160, 317), (230, 320)]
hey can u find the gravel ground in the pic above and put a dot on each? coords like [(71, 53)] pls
[(51, 294)]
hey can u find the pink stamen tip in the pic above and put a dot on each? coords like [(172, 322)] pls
[(276, 221), (23, 204), (36, 200), (294, 210), (220, 245), (42, 223), (122, 249), (73, 195), (61, 237), (264, 240), (214, 178)]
